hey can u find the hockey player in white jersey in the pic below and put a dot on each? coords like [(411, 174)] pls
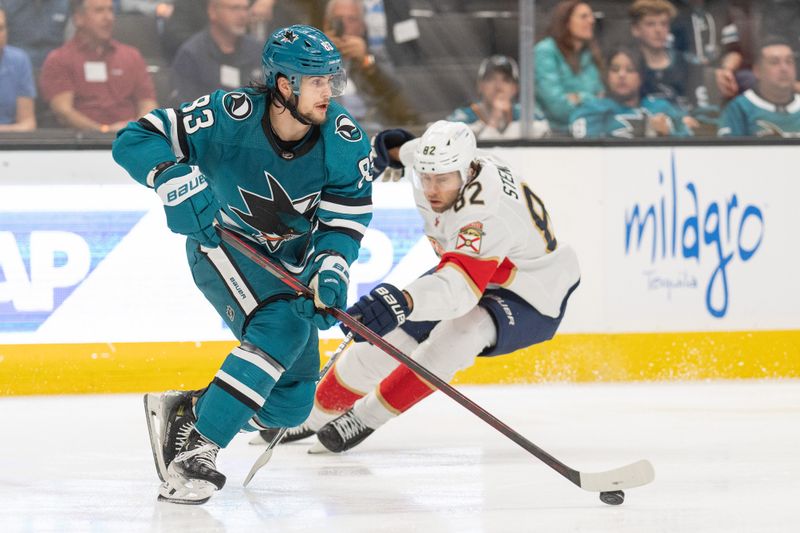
[(502, 284)]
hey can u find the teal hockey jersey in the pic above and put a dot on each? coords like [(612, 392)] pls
[(606, 117), (750, 115), (296, 202)]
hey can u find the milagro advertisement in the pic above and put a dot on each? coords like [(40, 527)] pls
[(684, 239)]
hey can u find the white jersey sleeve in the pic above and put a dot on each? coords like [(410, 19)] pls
[(498, 234)]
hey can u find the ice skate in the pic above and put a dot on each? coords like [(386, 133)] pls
[(192, 476), (343, 433), (265, 436), (170, 417)]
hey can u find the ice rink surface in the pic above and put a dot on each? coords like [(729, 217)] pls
[(726, 455)]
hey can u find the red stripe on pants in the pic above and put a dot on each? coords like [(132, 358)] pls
[(403, 388)]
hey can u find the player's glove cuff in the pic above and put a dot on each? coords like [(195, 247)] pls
[(383, 165), (178, 183)]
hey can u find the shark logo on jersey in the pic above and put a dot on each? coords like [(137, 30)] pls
[(237, 105), (347, 130), (280, 218), (289, 36)]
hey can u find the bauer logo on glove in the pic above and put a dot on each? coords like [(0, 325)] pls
[(382, 310), (392, 303)]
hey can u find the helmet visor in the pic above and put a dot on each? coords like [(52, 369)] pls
[(429, 184), (335, 83)]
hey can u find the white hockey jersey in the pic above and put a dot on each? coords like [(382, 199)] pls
[(498, 234)]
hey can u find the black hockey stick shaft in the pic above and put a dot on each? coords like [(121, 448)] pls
[(238, 242)]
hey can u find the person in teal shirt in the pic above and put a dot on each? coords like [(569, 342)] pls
[(772, 108), (287, 168), (568, 63), (625, 113)]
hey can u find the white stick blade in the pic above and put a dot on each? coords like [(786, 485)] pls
[(261, 461), (626, 477)]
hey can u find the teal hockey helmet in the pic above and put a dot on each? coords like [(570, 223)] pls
[(299, 51)]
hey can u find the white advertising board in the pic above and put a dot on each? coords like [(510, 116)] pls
[(685, 239)]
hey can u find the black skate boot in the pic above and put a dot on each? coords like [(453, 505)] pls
[(343, 433), (192, 476), (170, 417), (300, 432), (297, 433)]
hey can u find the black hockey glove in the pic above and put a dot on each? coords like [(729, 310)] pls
[(381, 144), (382, 310)]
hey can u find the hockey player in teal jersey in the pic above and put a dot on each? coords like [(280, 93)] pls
[(625, 113), (772, 108), (282, 164)]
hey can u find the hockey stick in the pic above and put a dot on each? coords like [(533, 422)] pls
[(628, 476), (267, 454)]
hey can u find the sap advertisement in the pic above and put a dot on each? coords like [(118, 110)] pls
[(685, 239)]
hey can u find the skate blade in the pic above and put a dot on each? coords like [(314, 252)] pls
[(185, 491), (152, 408), (318, 448)]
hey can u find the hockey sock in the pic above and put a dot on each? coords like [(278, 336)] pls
[(333, 397), (238, 390), (397, 393)]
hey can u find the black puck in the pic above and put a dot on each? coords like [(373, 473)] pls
[(613, 497)]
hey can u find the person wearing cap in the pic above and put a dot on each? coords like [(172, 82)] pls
[(496, 115)]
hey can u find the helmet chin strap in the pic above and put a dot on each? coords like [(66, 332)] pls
[(288, 104)]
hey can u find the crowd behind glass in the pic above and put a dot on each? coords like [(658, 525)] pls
[(601, 69)]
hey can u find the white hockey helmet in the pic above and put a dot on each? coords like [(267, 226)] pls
[(444, 147)]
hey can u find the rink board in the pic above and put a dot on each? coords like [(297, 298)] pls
[(140, 367), (688, 262)]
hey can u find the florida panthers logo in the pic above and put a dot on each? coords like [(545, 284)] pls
[(280, 218), (347, 130), (469, 237)]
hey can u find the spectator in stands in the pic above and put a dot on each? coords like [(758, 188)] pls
[(772, 108), (191, 16), (36, 26), (624, 113), (222, 56), (373, 94), (17, 89), (568, 63), (496, 115), (696, 31), (699, 34), (748, 23), (94, 82), (665, 70)]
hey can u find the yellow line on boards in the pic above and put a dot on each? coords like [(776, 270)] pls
[(139, 367)]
